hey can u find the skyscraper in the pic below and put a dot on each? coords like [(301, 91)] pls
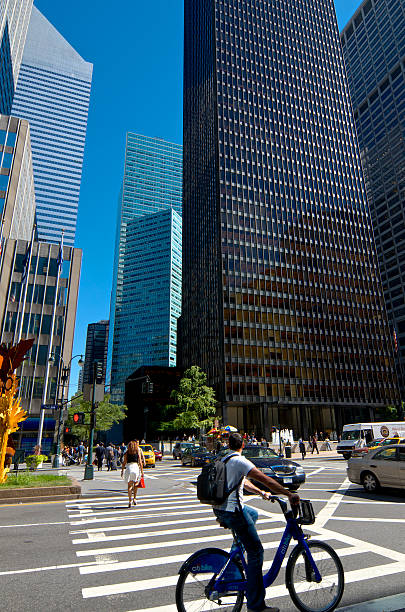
[(373, 45), (146, 320), (152, 183), (282, 302), (53, 93), (96, 349), (14, 19)]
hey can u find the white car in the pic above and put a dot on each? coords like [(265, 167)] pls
[(380, 467)]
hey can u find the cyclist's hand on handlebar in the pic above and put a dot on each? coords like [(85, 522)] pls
[(267, 495), (294, 499)]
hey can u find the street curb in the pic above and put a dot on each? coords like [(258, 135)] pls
[(32, 494)]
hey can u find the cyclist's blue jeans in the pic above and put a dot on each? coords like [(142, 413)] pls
[(243, 523)]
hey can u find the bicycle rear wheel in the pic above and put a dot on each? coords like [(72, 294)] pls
[(197, 576), (307, 594)]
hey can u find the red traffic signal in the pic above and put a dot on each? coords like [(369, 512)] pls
[(78, 418), (67, 429)]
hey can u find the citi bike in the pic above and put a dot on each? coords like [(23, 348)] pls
[(213, 579)]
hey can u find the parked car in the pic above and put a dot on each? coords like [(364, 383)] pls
[(179, 448), (381, 467), (158, 454), (195, 456), (149, 455), (288, 473)]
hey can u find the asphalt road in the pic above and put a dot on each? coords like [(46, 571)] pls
[(95, 554)]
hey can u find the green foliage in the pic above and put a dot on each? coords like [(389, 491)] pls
[(195, 401), (107, 415), (33, 461), (27, 479), (388, 413)]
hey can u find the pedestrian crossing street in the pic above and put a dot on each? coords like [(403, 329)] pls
[(131, 556)]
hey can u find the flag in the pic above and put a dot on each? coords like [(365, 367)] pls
[(26, 262), (60, 256)]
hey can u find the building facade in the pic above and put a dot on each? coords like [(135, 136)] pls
[(53, 94), (17, 193), (150, 299), (43, 307), (282, 301), (373, 45), (14, 19), (152, 183), (96, 349)]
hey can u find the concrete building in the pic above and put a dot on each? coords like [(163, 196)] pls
[(44, 307), (282, 300), (53, 94), (17, 194), (152, 184), (14, 19), (373, 45)]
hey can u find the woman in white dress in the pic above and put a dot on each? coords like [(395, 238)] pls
[(133, 464)]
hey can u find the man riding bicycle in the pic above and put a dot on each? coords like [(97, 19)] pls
[(241, 519)]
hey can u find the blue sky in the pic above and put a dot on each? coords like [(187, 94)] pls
[(137, 86)]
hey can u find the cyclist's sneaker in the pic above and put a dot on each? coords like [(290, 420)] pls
[(268, 608)]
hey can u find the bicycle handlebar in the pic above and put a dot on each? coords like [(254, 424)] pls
[(284, 506)]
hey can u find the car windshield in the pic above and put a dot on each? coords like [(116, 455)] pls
[(259, 452), (351, 435), (375, 442), (146, 447)]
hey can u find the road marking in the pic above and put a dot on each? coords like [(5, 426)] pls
[(141, 526), (332, 504), (139, 509), (46, 568), (150, 545), (113, 519), (388, 604), (366, 520), (33, 524), (85, 500)]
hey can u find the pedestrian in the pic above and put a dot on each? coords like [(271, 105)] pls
[(10, 452), (264, 443), (81, 451), (327, 444), (100, 453), (109, 456), (116, 455), (133, 463), (301, 446), (314, 444)]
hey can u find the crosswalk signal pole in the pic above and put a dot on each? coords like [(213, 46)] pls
[(89, 469)]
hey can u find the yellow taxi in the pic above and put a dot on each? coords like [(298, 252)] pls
[(149, 454)]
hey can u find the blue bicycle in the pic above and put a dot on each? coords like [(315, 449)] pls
[(213, 579)]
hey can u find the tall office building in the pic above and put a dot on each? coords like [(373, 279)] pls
[(282, 301), (96, 349), (146, 321), (373, 45), (39, 304), (14, 19), (152, 183), (53, 93), (17, 194)]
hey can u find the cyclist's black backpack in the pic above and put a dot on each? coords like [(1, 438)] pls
[(211, 483)]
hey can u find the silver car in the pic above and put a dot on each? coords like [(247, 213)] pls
[(381, 467)]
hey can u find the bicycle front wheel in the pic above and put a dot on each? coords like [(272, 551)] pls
[(307, 594), (194, 591)]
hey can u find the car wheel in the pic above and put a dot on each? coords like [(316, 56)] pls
[(347, 455), (370, 482)]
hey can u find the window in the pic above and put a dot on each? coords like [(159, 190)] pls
[(388, 454)]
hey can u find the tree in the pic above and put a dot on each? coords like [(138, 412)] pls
[(195, 400), (106, 415)]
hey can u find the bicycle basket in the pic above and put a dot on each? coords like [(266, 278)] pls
[(307, 515)]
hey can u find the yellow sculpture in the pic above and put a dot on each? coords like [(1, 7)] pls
[(11, 413)]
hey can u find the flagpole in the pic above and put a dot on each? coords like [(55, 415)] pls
[(21, 322), (44, 393)]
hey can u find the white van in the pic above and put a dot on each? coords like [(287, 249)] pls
[(358, 434)]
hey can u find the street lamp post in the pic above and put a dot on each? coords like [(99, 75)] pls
[(64, 373), (89, 468)]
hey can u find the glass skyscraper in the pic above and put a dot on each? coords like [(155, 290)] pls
[(145, 302), (96, 349), (373, 45), (282, 301), (14, 19), (53, 93)]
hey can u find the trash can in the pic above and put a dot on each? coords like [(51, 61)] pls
[(287, 451)]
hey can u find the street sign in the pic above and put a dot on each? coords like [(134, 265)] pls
[(49, 407)]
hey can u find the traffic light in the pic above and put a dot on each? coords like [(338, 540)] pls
[(147, 387), (99, 372), (67, 429), (78, 418)]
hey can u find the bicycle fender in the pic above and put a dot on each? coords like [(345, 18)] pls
[(205, 560)]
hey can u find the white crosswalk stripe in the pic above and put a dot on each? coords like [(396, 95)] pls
[(135, 553)]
